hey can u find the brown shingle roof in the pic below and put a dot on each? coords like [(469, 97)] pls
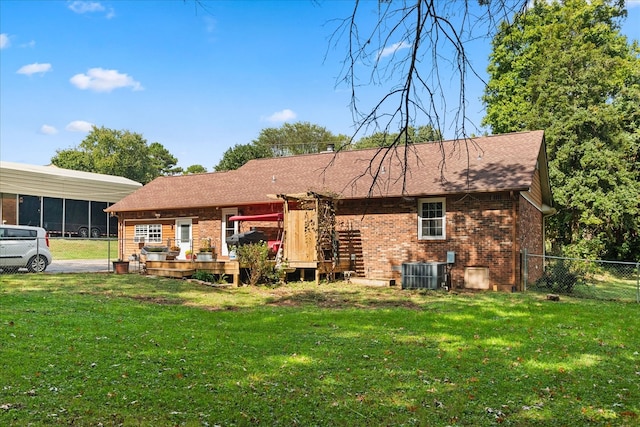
[(494, 163)]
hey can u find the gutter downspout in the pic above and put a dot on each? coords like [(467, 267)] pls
[(515, 200), (547, 211)]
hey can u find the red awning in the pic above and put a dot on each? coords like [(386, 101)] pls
[(263, 217)]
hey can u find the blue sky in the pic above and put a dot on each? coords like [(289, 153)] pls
[(196, 81)]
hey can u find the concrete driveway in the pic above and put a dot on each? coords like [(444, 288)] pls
[(80, 266)]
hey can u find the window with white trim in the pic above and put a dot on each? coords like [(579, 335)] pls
[(432, 219), (148, 233)]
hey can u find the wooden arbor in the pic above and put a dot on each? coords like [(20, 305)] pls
[(309, 235)]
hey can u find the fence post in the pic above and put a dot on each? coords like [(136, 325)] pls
[(638, 282), (108, 254), (525, 269)]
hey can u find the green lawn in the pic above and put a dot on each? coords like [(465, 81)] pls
[(127, 350), (83, 248)]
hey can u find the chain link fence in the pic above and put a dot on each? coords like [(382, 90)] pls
[(597, 279)]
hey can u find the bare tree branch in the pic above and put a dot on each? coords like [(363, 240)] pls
[(433, 33), (413, 51)]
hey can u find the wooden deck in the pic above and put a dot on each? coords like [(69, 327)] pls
[(186, 268)]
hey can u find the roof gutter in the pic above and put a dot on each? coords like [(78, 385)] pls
[(547, 210)]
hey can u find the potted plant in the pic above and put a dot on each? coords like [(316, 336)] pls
[(156, 253), (120, 266), (188, 254), (207, 251), (174, 251)]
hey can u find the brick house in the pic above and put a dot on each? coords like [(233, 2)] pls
[(478, 207)]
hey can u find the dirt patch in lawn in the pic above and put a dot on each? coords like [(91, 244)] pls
[(338, 300), (157, 300)]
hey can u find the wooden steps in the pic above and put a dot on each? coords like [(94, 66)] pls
[(186, 268), (171, 272)]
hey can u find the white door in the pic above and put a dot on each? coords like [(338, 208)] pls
[(229, 228), (183, 236)]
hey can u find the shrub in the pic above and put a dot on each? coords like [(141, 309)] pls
[(560, 276), (255, 257), (204, 276)]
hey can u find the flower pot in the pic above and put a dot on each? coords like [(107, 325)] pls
[(121, 267), (205, 256), (156, 256)]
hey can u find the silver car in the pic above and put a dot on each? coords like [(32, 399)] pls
[(22, 246)]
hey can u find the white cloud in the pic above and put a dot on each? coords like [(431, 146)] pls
[(393, 49), (34, 68), (210, 24), (81, 7), (282, 116), (4, 40), (101, 80), (633, 3), (48, 130), (86, 6), (79, 126)]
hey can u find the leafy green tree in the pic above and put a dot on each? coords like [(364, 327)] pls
[(299, 138), (418, 135), (119, 153), (163, 160), (564, 67), (195, 169), (73, 159), (287, 140), (240, 154)]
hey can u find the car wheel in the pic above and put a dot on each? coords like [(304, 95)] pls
[(83, 232), (37, 264), (95, 233)]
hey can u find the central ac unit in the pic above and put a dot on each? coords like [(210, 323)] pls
[(423, 275)]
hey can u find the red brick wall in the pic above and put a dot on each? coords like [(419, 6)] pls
[(207, 227), (9, 208), (531, 237), (480, 230), (383, 234)]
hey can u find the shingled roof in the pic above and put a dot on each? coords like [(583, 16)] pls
[(484, 164)]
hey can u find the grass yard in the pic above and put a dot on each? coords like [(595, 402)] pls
[(128, 350), (609, 286), (83, 248)]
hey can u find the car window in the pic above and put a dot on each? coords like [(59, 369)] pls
[(19, 233)]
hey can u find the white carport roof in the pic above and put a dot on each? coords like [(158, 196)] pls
[(52, 181)]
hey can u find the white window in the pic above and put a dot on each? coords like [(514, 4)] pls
[(148, 233), (432, 219)]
